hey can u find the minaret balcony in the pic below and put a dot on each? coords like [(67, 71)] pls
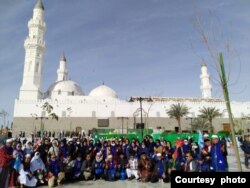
[(37, 23), (34, 41)]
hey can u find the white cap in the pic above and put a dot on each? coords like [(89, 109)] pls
[(99, 153), (158, 154), (9, 140), (205, 135), (27, 156), (110, 156), (214, 136)]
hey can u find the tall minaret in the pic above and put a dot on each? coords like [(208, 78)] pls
[(206, 88), (34, 53), (62, 71)]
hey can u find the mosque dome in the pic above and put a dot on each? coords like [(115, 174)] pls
[(103, 91), (64, 88)]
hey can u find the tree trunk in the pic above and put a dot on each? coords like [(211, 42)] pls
[(211, 126), (179, 124)]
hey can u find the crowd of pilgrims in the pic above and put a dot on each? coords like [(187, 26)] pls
[(53, 161)]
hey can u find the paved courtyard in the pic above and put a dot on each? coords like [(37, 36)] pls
[(135, 184)]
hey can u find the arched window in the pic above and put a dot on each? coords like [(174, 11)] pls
[(73, 93), (59, 92)]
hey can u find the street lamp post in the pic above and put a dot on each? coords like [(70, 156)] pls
[(140, 99), (69, 109), (4, 114), (34, 116), (191, 119), (41, 125)]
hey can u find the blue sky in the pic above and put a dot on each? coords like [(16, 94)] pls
[(137, 47)]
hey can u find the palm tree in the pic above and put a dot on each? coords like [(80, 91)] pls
[(209, 113), (47, 108), (200, 124), (178, 111)]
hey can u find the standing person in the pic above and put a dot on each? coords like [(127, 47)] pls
[(5, 162), (150, 146), (218, 155), (54, 149), (143, 149), (190, 164), (246, 148), (160, 169), (44, 149)]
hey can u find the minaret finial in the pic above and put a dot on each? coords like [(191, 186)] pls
[(103, 83), (39, 5), (63, 58)]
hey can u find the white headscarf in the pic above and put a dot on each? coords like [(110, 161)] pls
[(37, 163)]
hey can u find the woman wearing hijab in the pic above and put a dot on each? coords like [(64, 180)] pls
[(26, 177), (144, 167), (37, 167), (98, 166), (28, 149), (18, 156), (54, 149)]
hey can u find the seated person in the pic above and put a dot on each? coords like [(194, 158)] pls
[(122, 163), (132, 168), (38, 168), (110, 169), (67, 166), (144, 167), (26, 177), (87, 168), (98, 166), (54, 173), (77, 173)]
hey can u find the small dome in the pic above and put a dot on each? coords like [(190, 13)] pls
[(103, 91), (64, 88)]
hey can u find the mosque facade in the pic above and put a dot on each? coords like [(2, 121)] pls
[(102, 107)]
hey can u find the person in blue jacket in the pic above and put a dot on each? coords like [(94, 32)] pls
[(218, 162)]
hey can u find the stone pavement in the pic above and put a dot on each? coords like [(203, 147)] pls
[(117, 184), (233, 162), (134, 184)]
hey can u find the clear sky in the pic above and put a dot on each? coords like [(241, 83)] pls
[(137, 47)]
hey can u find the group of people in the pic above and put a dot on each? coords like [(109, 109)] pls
[(54, 161)]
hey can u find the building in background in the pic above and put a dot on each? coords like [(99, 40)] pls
[(102, 107)]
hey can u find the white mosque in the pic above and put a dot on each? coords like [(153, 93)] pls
[(101, 108)]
